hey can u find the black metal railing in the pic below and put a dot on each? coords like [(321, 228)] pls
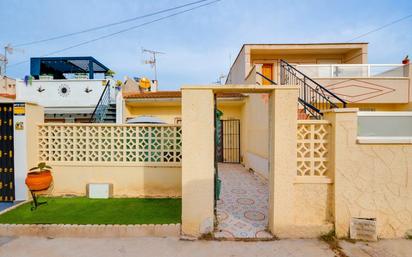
[(313, 97), (266, 78), (102, 106)]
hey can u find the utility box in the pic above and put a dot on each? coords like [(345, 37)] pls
[(363, 229), (99, 190)]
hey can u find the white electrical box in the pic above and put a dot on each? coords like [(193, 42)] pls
[(99, 190)]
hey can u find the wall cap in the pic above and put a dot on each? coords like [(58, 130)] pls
[(384, 140), (341, 110), (74, 230), (240, 88), (312, 180)]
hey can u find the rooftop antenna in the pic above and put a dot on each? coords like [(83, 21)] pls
[(8, 49), (220, 79), (152, 60)]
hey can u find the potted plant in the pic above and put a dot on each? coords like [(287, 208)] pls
[(39, 177), (406, 60), (110, 73), (119, 85)]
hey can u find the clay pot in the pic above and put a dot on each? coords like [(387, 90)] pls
[(405, 61), (37, 181)]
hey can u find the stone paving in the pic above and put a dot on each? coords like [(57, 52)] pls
[(242, 210)]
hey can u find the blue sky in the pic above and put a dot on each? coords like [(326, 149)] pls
[(199, 45)]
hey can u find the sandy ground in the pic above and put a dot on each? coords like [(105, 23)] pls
[(382, 248), (156, 247)]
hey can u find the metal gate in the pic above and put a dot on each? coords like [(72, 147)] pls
[(6, 153), (230, 148)]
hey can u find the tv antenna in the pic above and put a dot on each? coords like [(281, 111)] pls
[(219, 80), (8, 49), (152, 61)]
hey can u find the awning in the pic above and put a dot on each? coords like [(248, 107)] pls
[(57, 66), (145, 120)]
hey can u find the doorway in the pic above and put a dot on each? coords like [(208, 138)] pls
[(228, 148), (6, 153), (242, 204)]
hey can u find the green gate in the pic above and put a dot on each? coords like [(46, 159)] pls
[(6, 153)]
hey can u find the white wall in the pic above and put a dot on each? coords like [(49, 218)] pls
[(50, 97)]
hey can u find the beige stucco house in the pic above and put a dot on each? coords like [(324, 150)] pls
[(325, 138), (340, 67)]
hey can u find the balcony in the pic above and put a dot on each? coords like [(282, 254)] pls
[(354, 70), (363, 83)]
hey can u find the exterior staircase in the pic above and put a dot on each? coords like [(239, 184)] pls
[(105, 111), (313, 97)]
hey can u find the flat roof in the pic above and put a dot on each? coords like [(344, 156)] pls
[(170, 94)]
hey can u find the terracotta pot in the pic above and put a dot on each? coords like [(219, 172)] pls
[(406, 61), (37, 181)]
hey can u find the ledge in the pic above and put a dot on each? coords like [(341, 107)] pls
[(384, 140), (341, 110), (312, 180), (72, 230), (118, 164), (384, 114)]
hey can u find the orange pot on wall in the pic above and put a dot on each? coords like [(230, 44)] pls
[(37, 181)]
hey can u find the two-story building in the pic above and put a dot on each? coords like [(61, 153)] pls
[(69, 88)]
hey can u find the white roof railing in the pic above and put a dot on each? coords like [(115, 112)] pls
[(353, 70)]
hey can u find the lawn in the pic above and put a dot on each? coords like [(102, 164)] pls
[(80, 210)]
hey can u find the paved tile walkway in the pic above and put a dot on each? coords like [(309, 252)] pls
[(242, 210)]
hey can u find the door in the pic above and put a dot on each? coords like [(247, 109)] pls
[(230, 141), (6, 153), (267, 71)]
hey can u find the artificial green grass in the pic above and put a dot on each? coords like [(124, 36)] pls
[(80, 210)]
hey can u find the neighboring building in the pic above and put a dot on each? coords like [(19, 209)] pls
[(68, 87), (7, 88), (167, 105)]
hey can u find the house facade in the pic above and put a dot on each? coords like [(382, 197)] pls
[(68, 87), (324, 163)]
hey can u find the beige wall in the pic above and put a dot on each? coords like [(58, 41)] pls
[(370, 90), (198, 161), (7, 86), (128, 181), (356, 56), (238, 70), (255, 133), (127, 156), (371, 180), (169, 111), (313, 203), (166, 113)]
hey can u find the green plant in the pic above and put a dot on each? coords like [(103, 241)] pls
[(110, 73), (42, 166), (328, 237)]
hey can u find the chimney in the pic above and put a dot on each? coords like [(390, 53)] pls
[(154, 86)]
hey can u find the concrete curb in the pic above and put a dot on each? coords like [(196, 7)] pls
[(69, 230)]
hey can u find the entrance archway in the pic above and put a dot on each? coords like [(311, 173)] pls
[(198, 164)]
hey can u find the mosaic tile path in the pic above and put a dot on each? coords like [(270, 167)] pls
[(243, 206)]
